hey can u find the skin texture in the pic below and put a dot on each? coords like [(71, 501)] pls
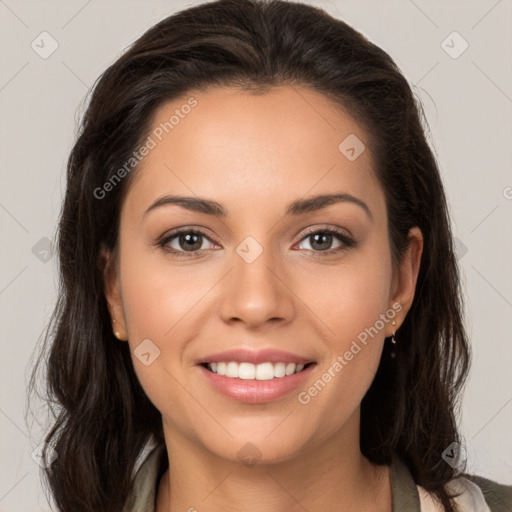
[(254, 154)]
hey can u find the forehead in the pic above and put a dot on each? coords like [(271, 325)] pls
[(246, 150)]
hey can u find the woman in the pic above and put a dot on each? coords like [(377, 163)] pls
[(260, 304)]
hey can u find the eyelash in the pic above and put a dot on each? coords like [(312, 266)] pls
[(344, 239)]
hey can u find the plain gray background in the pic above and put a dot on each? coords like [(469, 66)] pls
[(468, 103)]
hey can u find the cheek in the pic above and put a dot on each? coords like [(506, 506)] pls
[(158, 296), (348, 298), (351, 303), (157, 308), (160, 303)]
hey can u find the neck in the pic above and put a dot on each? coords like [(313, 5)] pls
[(332, 475)]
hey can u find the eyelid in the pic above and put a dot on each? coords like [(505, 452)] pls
[(327, 228)]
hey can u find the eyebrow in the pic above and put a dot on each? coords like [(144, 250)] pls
[(296, 208)]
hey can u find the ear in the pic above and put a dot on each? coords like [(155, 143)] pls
[(113, 294), (404, 282)]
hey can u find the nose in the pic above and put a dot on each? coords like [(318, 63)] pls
[(257, 292)]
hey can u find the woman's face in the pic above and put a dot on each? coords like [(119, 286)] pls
[(263, 276)]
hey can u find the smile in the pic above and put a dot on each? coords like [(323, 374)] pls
[(249, 371), (256, 383)]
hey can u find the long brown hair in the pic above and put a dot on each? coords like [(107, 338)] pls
[(102, 418)]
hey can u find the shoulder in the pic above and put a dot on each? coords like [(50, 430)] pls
[(472, 494), (498, 496), (142, 496)]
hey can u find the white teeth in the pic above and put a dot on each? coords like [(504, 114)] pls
[(290, 368), (279, 370), (246, 371), (249, 371), (232, 370), (265, 371)]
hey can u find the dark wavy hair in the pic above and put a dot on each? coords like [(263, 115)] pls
[(101, 417)]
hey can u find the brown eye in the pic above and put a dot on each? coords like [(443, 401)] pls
[(190, 241), (185, 242), (321, 240)]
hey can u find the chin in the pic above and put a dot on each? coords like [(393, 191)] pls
[(258, 450)]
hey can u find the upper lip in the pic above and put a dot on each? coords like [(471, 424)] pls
[(246, 355)]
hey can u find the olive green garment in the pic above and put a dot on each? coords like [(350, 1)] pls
[(142, 498)]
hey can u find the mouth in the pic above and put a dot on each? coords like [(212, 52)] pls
[(251, 383), (250, 371), (252, 376)]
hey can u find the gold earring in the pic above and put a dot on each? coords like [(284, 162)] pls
[(393, 335), (117, 334)]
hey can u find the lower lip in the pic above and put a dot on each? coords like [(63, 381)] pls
[(256, 391)]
